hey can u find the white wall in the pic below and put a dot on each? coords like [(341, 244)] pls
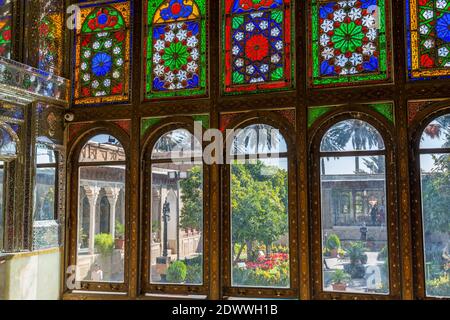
[(31, 276)]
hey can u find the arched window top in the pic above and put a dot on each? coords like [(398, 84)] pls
[(437, 134), (352, 135), (258, 139), (8, 142), (176, 10), (103, 19), (45, 154), (179, 143), (240, 6), (102, 148)]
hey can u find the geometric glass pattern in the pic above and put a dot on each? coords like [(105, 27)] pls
[(5, 28), (350, 42), (50, 30), (428, 37), (102, 67), (257, 45), (176, 48)]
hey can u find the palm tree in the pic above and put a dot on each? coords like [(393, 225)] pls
[(250, 139), (438, 127), (362, 136)]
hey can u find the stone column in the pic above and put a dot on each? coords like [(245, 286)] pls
[(113, 195), (92, 194)]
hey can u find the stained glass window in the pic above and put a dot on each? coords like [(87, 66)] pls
[(350, 42), (257, 44), (5, 28), (50, 30), (103, 53), (428, 34), (176, 48)]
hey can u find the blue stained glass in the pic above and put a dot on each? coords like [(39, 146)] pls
[(443, 27), (101, 64)]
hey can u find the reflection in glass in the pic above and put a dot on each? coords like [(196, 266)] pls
[(45, 187), (435, 183), (259, 210), (177, 224), (8, 147)]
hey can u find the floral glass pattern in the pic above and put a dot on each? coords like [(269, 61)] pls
[(257, 45), (428, 38), (350, 42), (5, 28), (103, 54), (50, 31), (176, 48)]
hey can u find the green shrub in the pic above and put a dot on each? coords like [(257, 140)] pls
[(356, 253), (176, 273), (439, 287), (120, 230), (104, 243), (339, 276), (194, 274), (333, 242)]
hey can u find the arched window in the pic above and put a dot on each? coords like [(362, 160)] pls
[(428, 38), (259, 217), (174, 208), (354, 211), (257, 45), (102, 62), (176, 48), (6, 8), (435, 183), (46, 185), (350, 42), (101, 231)]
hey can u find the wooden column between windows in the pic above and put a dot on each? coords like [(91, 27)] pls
[(401, 115), (214, 182)]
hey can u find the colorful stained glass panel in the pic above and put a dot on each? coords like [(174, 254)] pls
[(5, 28), (50, 36), (103, 54), (176, 46), (257, 44), (428, 38), (350, 42)]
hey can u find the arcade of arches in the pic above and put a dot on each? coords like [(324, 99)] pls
[(330, 176)]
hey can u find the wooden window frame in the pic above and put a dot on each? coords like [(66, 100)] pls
[(147, 288), (385, 129), (72, 224), (288, 134), (422, 120)]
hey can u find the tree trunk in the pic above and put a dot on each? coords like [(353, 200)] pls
[(249, 249), (239, 254)]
